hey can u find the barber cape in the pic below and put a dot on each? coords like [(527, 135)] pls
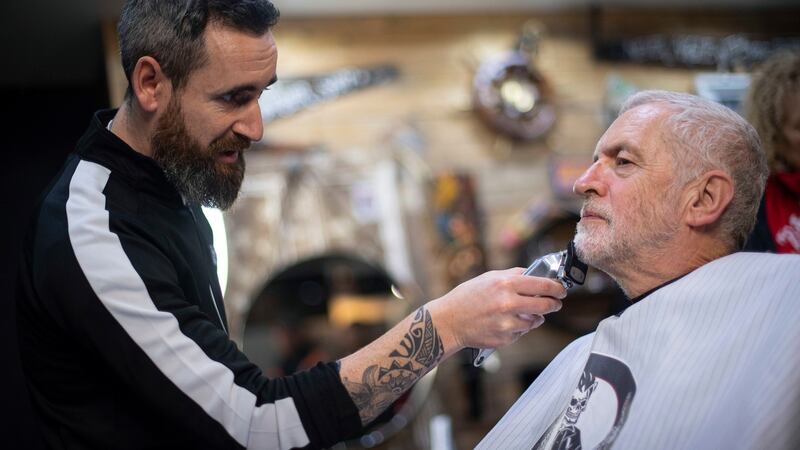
[(709, 361)]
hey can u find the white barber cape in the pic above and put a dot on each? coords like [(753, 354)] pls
[(709, 361)]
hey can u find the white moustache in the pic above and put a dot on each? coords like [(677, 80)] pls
[(596, 210)]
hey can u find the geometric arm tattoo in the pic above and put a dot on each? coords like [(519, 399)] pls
[(418, 352)]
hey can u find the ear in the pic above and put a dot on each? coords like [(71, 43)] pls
[(150, 85), (708, 198)]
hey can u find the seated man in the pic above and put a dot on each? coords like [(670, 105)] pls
[(706, 355)]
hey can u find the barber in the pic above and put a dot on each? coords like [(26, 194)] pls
[(122, 326)]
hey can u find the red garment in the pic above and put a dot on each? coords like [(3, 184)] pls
[(782, 199)]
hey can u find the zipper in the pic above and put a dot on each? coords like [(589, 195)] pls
[(214, 302)]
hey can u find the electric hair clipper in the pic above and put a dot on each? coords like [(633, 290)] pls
[(563, 266)]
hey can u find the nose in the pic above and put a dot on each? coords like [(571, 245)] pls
[(250, 124), (591, 181)]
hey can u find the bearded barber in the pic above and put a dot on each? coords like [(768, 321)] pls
[(122, 325)]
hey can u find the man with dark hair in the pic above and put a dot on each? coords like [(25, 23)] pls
[(706, 354), (122, 327)]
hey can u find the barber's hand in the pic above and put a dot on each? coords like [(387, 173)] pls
[(494, 309)]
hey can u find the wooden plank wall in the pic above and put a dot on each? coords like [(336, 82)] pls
[(436, 57)]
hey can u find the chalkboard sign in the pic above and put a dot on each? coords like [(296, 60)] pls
[(725, 53)]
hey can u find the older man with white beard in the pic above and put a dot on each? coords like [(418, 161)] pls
[(706, 354)]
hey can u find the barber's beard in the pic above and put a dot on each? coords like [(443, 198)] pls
[(196, 172), (623, 240)]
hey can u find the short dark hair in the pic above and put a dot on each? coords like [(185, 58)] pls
[(171, 31)]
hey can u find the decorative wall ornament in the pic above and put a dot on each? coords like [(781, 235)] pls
[(511, 95), (724, 53), (291, 95)]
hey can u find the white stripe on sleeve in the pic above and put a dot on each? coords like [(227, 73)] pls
[(122, 291)]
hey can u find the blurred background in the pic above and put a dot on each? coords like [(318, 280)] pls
[(408, 147)]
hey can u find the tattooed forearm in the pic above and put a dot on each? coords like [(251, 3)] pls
[(421, 343), (419, 351)]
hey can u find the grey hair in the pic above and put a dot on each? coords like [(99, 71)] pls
[(704, 135), (171, 31)]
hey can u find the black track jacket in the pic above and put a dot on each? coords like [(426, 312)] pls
[(122, 328)]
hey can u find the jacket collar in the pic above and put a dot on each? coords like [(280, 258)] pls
[(100, 145)]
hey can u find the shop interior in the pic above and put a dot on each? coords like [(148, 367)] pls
[(407, 148)]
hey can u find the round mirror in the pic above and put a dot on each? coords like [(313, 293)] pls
[(512, 97), (322, 309)]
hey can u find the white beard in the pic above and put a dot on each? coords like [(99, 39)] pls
[(618, 242)]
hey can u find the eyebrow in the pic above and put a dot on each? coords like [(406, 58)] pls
[(623, 146), (249, 87)]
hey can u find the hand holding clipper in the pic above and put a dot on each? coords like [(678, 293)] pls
[(563, 266)]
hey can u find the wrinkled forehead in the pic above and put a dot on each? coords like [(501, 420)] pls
[(639, 130), (237, 58), (223, 43)]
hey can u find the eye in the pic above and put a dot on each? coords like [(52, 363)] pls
[(623, 161), (237, 99)]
